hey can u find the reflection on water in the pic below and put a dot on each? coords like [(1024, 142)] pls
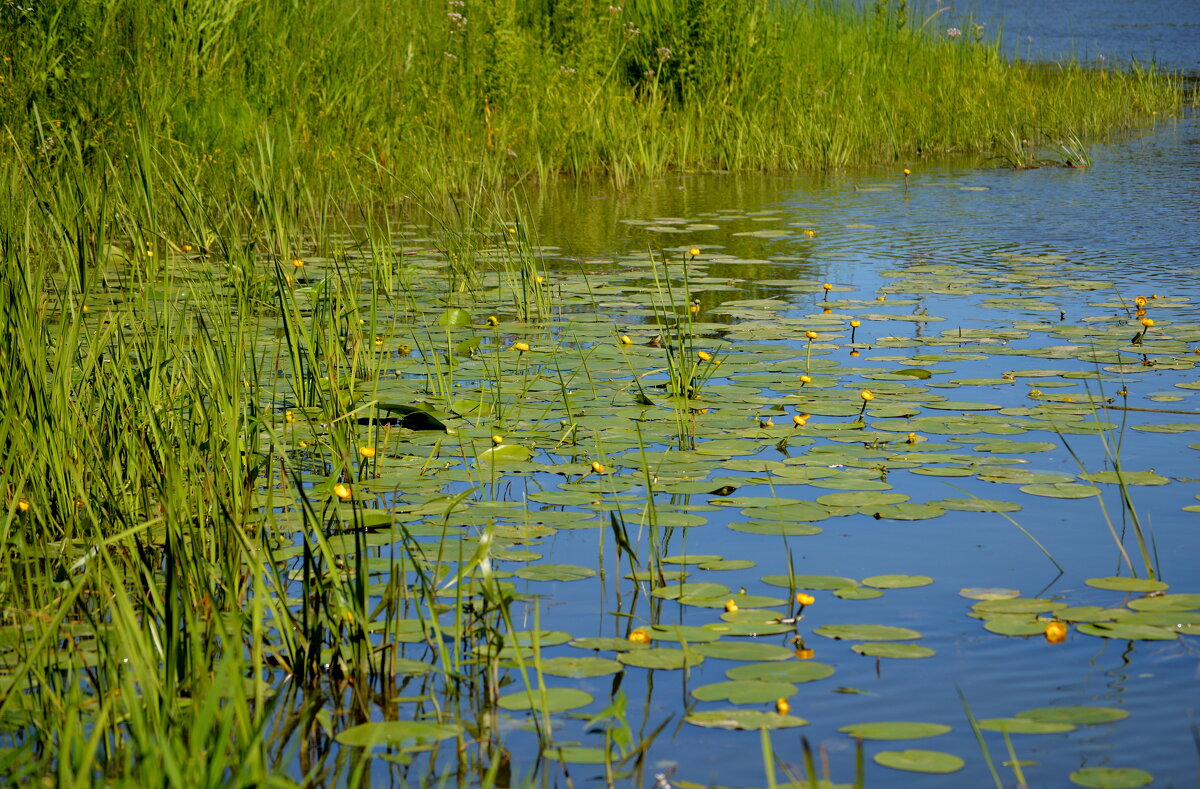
[(1133, 219)]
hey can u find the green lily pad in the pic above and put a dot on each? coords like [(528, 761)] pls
[(811, 582), (905, 512), (889, 649), (976, 505), (790, 671), (555, 572), (661, 658), (861, 499), (745, 691), (775, 528), (394, 733), (548, 700), (743, 650), (1111, 777), (918, 761), (895, 730), (1061, 490), (989, 593), (1014, 625), (750, 720), (1025, 726), (1077, 715), (1167, 602), (897, 581), (579, 667), (867, 632), (1017, 605), (1117, 584), (505, 453), (1126, 477), (680, 633), (700, 589), (1125, 632), (857, 593)]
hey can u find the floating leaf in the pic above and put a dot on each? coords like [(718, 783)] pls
[(1111, 777), (547, 700), (897, 581), (577, 754), (895, 730), (857, 593), (989, 593), (790, 671), (867, 632), (744, 650), (976, 505), (1025, 726), (888, 649), (1126, 477), (919, 761), (811, 582), (555, 572), (1017, 605), (579, 667), (505, 453), (1117, 584), (1061, 490), (454, 317), (1167, 602), (395, 733), (746, 691), (1078, 715), (1125, 632), (1015, 625), (661, 658), (743, 719)]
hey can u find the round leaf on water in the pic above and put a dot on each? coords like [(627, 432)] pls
[(988, 593), (812, 582), (1117, 584), (394, 733), (454, 317), (905, 512), (1078, 715), (690, 589), (790, 671), (1017, 605), (680, 633), (1126, 477), (745, 691), (776, 528), (857, 593), (1014, 625), (1111, 777), (976, 505), (548, 700), (555, 572), (867, 632), (1123, 632), (1061, 490), (661, 658), (749, 629), (861, 499), (1167, 602), (897, 581), (889, 649), (1025, 726), (607, 643), (505, 453), (579, 667), (728, 564), (743, 719), (918, 761), (895, 730), (744, 650)]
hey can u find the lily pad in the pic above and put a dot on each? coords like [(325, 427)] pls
[(1126, 632), (918, 761), (1025, 726), (745, 691), (811, 582), (897, 581), (579, 667), (743, 650), (895, 730), (547, 700), (1077, 715), (867, 632), (743, 719), (1117, 584), (790, 671), (888, 649), (661, 658), (555, 572), (1061, 490), (393, 733)]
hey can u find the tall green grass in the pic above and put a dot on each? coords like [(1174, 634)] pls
[(389, 102)]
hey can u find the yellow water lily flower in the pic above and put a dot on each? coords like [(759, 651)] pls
[(694, 251), (521, 347), (731, 606), (811, 335), (1147, 322), (497, 440), (867, 395), (639, 637), (799, 420), (782, 707), (492, 320), (1056, 632), (598, 467), (1140, 301), (367, 452), (855, 324), (704, 356), (625, 340), (805, 379), (805, 599), (342, 491)]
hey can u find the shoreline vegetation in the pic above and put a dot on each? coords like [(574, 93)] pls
[(383, 101), (207, 580)]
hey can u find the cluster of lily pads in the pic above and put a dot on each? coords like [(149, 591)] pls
[(490, 432)]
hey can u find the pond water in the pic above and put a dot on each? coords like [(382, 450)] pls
[(1036, 271)]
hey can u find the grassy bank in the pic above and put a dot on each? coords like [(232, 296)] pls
[(430, 95)]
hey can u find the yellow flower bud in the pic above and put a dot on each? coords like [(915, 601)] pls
[(731, 606), (855, 324), (367, 452), (907, 171), (497, 440), (289, 416), (639, 637), (625, 340), (522, 347), (799, 420), (297, 262), (1147, 322), (782, 707), (1056, 632), (867, 395), (765, 422), (598, 467), (810, 234), (342, 491), (23, 505), (694, 251), (492, 320), (912, 438), (805, 599), (810, 334), (705, 356)]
